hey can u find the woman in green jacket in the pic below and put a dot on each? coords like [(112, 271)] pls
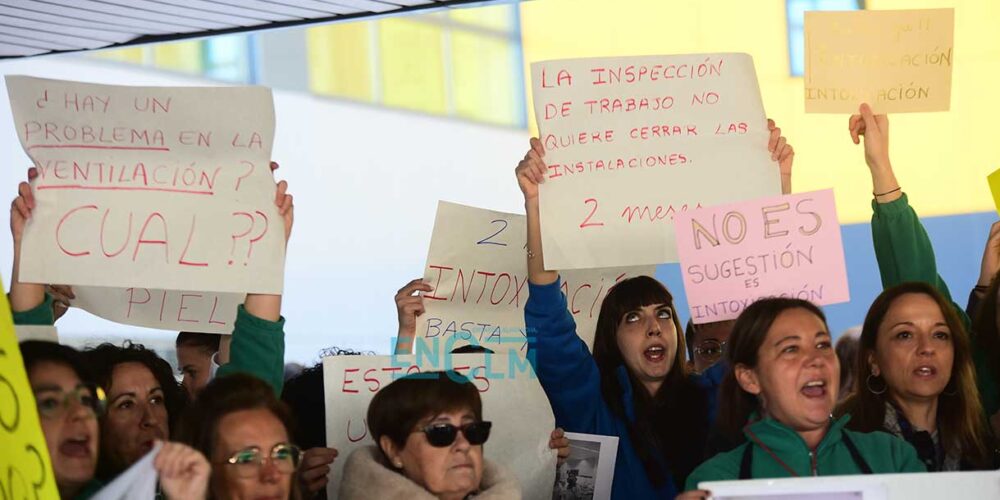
[(780, 395)]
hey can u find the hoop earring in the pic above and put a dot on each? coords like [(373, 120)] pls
[(868, 384)]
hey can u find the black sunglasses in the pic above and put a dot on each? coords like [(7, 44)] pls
[(441, 435)]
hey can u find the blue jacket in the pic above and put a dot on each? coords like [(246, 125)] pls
[(572, 382)]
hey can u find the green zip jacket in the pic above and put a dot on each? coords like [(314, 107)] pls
[(904, 253), (883, 452), (258, 346)]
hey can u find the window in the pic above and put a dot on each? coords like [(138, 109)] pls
[(796, 10), (229, 58)]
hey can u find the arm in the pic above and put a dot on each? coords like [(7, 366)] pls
[(564, 366), (257, 346), (408, 307), (25, 297), (988, 269), (782, 153)]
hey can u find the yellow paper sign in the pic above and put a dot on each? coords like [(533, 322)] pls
[(898, 61), (25, 469), (994, 182)]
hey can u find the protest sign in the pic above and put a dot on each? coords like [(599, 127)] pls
[(159, 187), (25, 468), (787, 246), (45, 333), (920, 486), (512, 399), (477, 264), (203, 312), (632, 141), (589, 470), (898, 61), (138, 481)]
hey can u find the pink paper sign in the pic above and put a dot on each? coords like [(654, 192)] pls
[(783, 246)]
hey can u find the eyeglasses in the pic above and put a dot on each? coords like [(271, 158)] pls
[(53, 404), (710, 350), (441, 435), (248, 461)]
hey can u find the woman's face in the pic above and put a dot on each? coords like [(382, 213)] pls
[(136, 417), (70, 427), (914, 352), (797, 374), (242, 430), (451, 471), (647, 340), (196, 366)]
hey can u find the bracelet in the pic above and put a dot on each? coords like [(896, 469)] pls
[(887, 192)]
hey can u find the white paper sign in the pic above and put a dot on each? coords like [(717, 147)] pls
[(589, 471), (477, 264), (915, 486), (630, 141), (512, 399), (156, 187), (45, 333), (190, 311), (138, 481)]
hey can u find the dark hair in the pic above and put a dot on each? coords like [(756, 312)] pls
[(104, 358), (34, 352), (207, 341), (960, 415), (672, 424), (689, 339), (749, 332), (396, 409), (471, 349), (199, 427), (987, 338), (305, 398), (847, 353)]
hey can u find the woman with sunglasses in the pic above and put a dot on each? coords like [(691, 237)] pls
[(780, 396), (429, 434), (245, 431)]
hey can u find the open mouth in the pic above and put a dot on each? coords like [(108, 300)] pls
[(76, 447), (814, 389), (655, 354), (925, 371)]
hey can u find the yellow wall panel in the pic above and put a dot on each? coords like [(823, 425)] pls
[(178, 56), (941, 159), (133, 55), (494, 17), (412, 65), (340, 60), (483, 86)]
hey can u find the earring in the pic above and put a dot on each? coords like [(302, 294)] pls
[(398, 464), (868, 384)]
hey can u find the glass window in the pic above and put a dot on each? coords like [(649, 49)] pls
[(796, 10)]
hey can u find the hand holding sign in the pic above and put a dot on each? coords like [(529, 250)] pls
[(875, 130)]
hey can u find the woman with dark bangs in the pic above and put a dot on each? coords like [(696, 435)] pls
[(916, 380), (636, 385)]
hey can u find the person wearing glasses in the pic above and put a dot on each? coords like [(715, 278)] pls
[(68, 408), (706, 344), (429, 433), (780, 395), (245, 431)]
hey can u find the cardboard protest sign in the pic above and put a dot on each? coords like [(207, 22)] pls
[(898, 61), (632, 141), (45, 333), (158, 187), (934, 486), (734, 254), (512, 399), (25, 468), (477, 264), (138, 481), (203, 312)]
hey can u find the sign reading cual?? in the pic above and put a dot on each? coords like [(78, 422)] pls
[(158, 187), (203, 312), (632, 141), (785, 246), (898, 61)]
